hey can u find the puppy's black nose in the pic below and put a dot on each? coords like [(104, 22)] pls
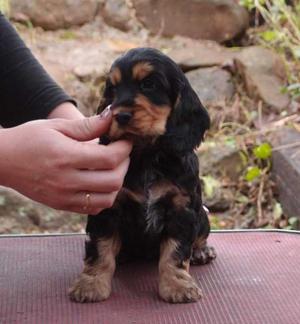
[(123, 118)]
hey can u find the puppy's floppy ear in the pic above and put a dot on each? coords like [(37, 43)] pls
[(188, 122)]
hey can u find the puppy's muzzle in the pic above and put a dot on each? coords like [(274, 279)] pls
[(123, 118)]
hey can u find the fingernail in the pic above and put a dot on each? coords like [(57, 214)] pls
[(105, 113)]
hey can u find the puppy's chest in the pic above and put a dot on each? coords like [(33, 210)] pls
[(147, 185)]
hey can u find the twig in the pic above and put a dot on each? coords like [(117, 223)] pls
[(259, 112), (282, 147), (271, 127), (259, 198), (295, 154)]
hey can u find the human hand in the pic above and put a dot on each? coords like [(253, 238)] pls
[(55, 162)]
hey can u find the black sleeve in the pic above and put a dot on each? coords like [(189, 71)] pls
[(27, 92)]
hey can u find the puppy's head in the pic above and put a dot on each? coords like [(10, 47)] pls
[(152, 101)]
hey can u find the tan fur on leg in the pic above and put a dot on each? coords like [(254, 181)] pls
[(94, 283), (175, 283)]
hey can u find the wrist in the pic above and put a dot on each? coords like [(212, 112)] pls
[(66, 110)]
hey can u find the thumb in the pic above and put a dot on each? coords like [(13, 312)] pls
[(88, 128)]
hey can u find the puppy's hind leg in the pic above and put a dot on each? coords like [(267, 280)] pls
[(203, 253)]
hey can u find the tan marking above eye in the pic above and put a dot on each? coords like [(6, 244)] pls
[(115, 76), (141, 70)]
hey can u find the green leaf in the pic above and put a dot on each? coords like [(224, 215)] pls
[(263, 151), (252, 173), (249, 4), (269, 35)]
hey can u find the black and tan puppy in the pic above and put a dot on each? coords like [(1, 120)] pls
[(159, 211)]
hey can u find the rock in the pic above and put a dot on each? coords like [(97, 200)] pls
[(218, 20), (86, 94), (78, 65), (55, 14), (215, 198), (220, 160), (116, 13), (79, 80), (79, 59), (286, 171), (263, 73), (212, 85), (190, 54), (18, 214)]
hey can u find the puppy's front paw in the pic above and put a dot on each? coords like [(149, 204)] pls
[(203, 255), (88, 288), (179, 289)]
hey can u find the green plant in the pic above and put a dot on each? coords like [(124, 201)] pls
[(281, 33), (293, 89), (261, 155), (283, 21), (258, 181)]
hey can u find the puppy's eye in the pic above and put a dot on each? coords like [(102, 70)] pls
[(147, 85)]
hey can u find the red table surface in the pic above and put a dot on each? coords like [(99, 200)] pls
[(255, 279)]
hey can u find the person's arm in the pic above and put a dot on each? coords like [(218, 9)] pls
[(27, 92)]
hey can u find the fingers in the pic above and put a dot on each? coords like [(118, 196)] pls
[(90, 191), (101, 181), (87, 128), (92, 204), (100, 157)]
